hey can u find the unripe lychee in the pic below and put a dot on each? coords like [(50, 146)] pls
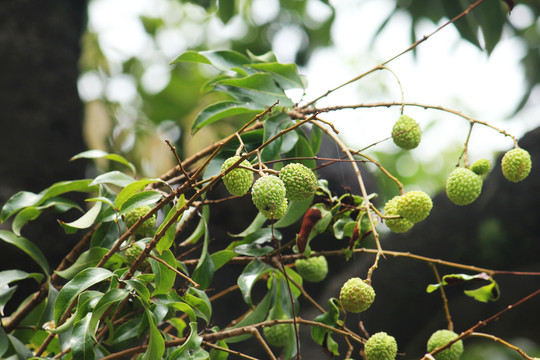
[(516, 164), (132, 216), (279, 335), (395, 225), (414, 206), (441, 338), (356, 296), (268, 193), (239, 180), (381, 346), (406, 133), (279, 213), (299, 181), (133, 252), (481, 167), (313, 269), (463, 186)]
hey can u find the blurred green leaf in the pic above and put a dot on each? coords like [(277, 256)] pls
[(204, 271), (491, 16), (467, 25), (98, 154), (222, 110), (226, 9), (77, 285), (4, 343), (221, 59), (28, 247), (259, 88), (286, 75), (20, 349)]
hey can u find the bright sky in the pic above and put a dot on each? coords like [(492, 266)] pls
[(447, 71)]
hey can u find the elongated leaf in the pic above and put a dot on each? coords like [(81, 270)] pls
[(156, 344), (140, 287), (199, 301), (82, 344), (252, 272), (26, 246), (114, 177), (272, 126), (4, 343), (25, 215), (85, 221), (74, 287), (491, 15), (17, 202), (6, 293), (143, 198), (167, 240), (296, 210), (190, 347), (467, 25), (220, 258), (131, 189), (86, 302), (112, 297), (98, 154), (259, 87), (20, 349), (222, 110), (204, 271), (221, 59), (165, 277), (485, 293), (87, 259), (329, 318), (226, 10), (256, 316), (255, 225), (286, 75), (9, 276), (454, 279)]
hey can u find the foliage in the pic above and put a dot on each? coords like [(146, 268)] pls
[(100, 304)]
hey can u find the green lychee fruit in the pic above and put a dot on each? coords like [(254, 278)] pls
[(463, 186), (313, 269), (300, 182), (396, 225), (414, 206), (239, 180), (279, 213), (133, 252), (481, 167), (441, 338), (356, 296), (381, 346), (516, 164), (268, 193), (406, 133), (279, 335), (132, 216)]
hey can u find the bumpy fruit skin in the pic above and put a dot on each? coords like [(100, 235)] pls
[(396, 225), (441, 338), (481, 167), (133, 252), (313, 269), (463, 186), (381, 346), (414, 206), (132, 216), (300, 182), (279, 213), (237, 181), (516, 164), (268, 193), (356, 296), (278, 335), (406, 133)]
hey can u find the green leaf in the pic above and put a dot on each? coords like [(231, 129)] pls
[(216, 354), (485, 293), (302, 149), (98, 154), (252, 272), (28, 247), (82, 343), (258, 87), (221, 59), (143, 198), (253, 249), (164, 276), (167, 240), (77, 285), (204, 271), (286, 75), (222, 257), (222, 110), (19, 201), (454, 279), (112, 297), (6, 293), (315, 138), (329, 318), (296, 210), (9, 276), (25, 215), (191, 348), (467, 25), (491, 15), (131, 189), (199, 301), (87, 259), (259, 314), (272, 126), (255, 225), (226, 10), (85, 221), (4, 343), (140, 287), (156, 344), (20, 349), (113, 177)]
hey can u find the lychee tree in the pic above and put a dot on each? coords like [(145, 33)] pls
[(140, 281)]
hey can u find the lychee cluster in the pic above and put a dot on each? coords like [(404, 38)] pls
[(313, 269), (271, 194), (133, 252), (381, 346), (356, 295), (406, 133), (412, 207), (132, 216), (442, 337)]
